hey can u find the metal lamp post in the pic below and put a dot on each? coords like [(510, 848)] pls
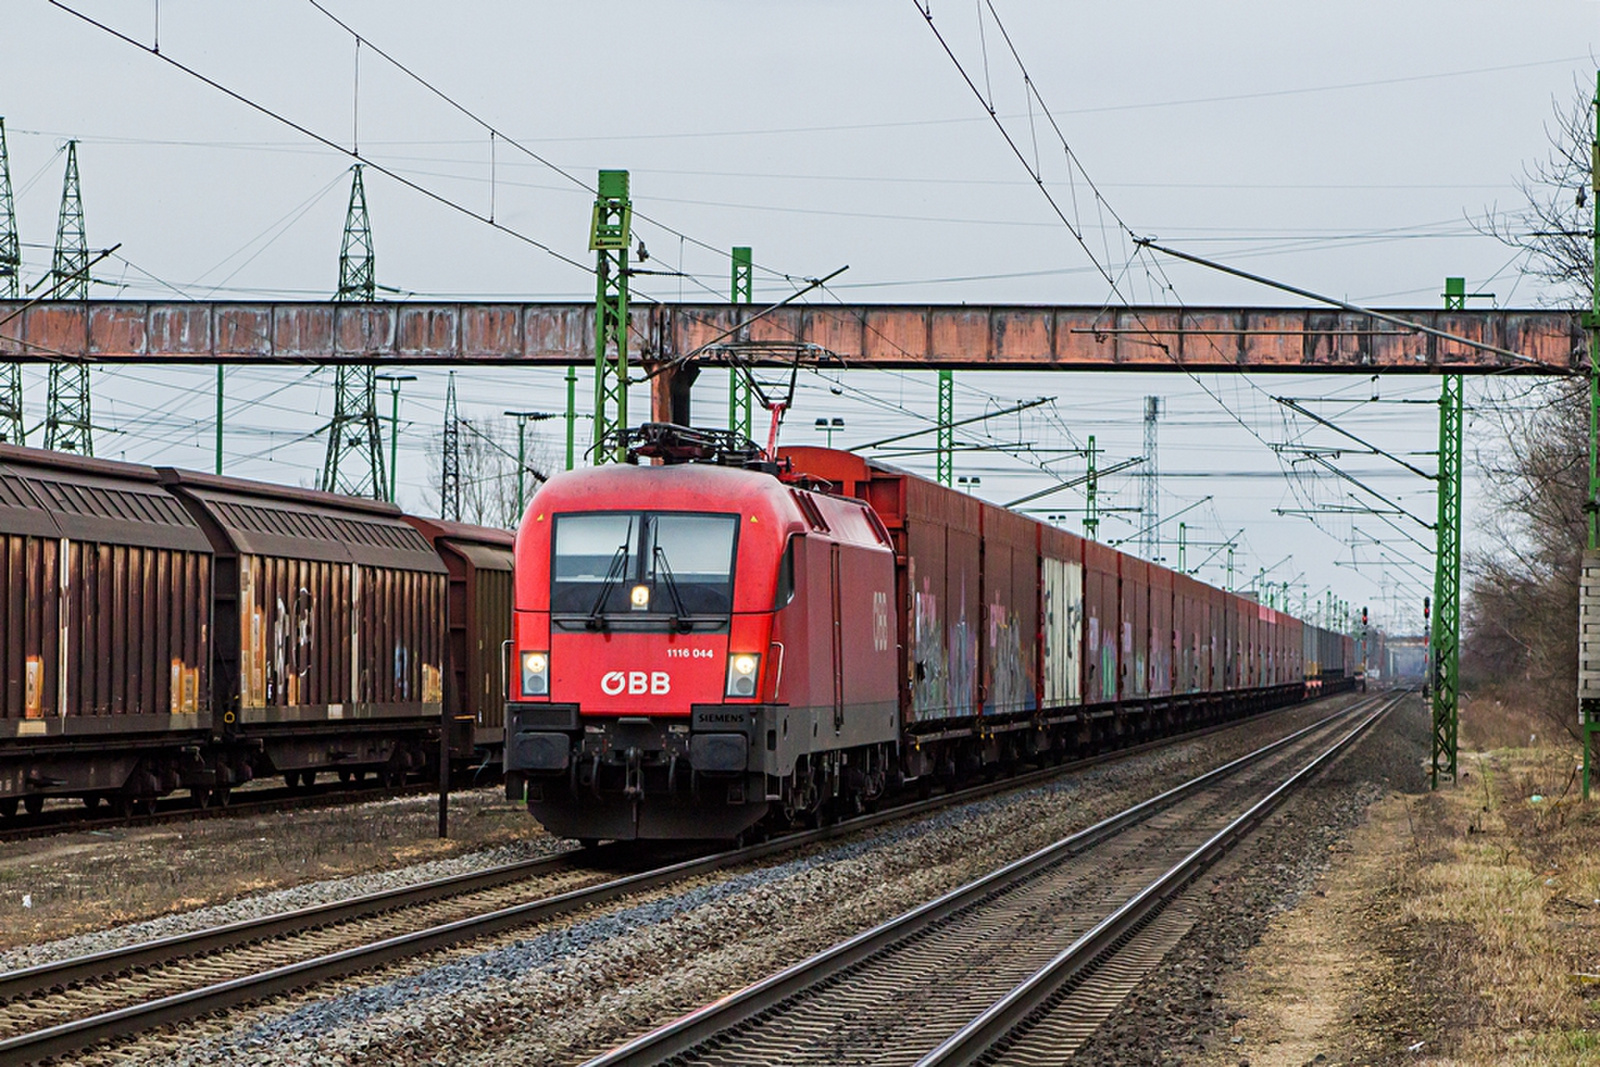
[(830, 427), (394, 381), (523, 418)]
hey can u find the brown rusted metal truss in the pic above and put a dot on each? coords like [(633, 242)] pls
[(905, 337)]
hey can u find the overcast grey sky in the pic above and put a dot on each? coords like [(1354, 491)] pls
[(1340, 147)]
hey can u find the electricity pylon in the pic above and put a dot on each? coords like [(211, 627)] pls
[(450, 460), (354, 463), (1150, 502), (11, 428), (67, 426)]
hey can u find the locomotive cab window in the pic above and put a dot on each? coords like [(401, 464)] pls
[(643, 570)]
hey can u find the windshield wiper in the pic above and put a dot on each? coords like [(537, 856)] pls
[(619, 562), (679, 621)]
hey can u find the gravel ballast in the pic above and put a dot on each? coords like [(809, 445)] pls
[(571, 988), (1174, 1015), (276, 902)]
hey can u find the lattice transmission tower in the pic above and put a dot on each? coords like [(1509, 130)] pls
[(450, 458), (11, 428), (67, 426), (1150, 501), (354, 464)]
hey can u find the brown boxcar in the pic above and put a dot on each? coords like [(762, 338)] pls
[(1061, 591), (478, 616), (1163, 630), (1102, 606), (104, 631), (1189, 621), (944, 535), (1009, 642), (329, 629), (1135, 627)]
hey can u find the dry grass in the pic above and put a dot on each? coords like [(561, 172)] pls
[(1458, 929), (1496, 900), (83, 881), (1494, 717)]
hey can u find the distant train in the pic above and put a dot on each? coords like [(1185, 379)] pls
[(722, 638), (164, 630)]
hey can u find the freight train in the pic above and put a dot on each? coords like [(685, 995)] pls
[(717, 640), (164, 629)]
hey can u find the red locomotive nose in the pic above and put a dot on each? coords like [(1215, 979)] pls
[(637, 673)]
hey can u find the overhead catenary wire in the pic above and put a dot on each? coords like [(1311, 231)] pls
[(1075, 168), (352, 151)]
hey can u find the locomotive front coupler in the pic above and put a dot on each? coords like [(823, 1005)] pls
[(634, 779)]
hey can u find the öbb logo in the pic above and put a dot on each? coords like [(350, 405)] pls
[(635, 683)]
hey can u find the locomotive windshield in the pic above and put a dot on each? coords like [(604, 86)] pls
[(643, 570)]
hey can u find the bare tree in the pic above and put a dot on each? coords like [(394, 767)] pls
[(1521, 610), (489, 472), (1553, 226)]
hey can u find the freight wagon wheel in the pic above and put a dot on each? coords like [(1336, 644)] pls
[(308, 779), (91, 801), (33, 803), (201, 796), (8, 807), (222, 795)]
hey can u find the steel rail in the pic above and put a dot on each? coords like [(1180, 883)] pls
[(60, 974), (696, 1028), (176, 808), (78, 1034), (982, 1036)]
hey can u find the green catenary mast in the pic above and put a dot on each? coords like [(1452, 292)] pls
[(11, 428), (67, 426), (354, 463), (944, 457), (741, 409), (609, 231), (1446, 637)]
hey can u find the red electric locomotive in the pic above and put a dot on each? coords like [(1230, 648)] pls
[(693, 644), (702, 643)]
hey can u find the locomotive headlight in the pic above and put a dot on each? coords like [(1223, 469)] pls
[(639, 597), (535, 674), (742, 670)]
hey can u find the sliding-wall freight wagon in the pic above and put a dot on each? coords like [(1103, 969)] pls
[(105, 640), (329, 631), (164, 630)]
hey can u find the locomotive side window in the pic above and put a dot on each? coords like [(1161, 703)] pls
[(786, 574), (643, 570)]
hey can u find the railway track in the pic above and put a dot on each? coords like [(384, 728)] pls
[(1022, 963), (59, 819), (58, 1008)]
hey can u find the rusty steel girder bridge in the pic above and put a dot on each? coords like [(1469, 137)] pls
[(904, 337)]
